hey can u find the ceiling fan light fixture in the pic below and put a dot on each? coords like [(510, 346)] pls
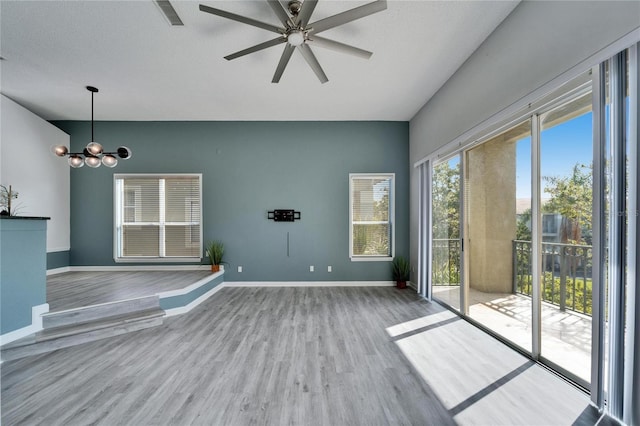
[(295, 38)]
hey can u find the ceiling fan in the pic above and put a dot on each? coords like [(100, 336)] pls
[(297, 32)]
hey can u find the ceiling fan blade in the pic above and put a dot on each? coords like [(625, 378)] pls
[(305, 12), (313, 62), (282, 14), (284, 60), (340, 47), (242, 19), (256, 48), (348, 16)]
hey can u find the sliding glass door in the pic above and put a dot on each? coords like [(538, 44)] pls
[(446, 273), (511, 246), (497, 181), (566, 158)]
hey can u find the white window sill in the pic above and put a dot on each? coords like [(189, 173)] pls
[(158, 260), (371, 259)]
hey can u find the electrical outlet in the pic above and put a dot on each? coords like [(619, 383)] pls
[(329, 268), (311, 268), (239, 268)]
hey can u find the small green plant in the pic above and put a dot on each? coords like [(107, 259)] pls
[(215, 252), (401, 268)]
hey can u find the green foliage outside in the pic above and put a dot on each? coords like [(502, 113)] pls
[(523, 231), (572, 197), (576, 287), (446, 262), (446, 201), (373, 239), (446, 224)]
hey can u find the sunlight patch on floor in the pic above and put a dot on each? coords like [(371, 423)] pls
[(472, 373), (418, 323)]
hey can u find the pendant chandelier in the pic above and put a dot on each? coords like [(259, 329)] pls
[(93, 154)]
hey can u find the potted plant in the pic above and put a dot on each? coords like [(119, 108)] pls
[(7, 195), (401, 271), (215, 251)]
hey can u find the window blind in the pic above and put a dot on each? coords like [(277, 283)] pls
[(370, 215), (158, 216)]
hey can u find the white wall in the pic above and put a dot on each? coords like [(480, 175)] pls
[(538, 42), (40, 178)]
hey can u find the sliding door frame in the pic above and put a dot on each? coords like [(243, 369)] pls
[(425, 225), (599, 249), (631, 390)]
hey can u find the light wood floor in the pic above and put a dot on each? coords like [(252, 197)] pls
[(77, 289), (307, 356)]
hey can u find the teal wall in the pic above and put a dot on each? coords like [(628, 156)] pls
[(248, 169), (57, 259), (23, 280)]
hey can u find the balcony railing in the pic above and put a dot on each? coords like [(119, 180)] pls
[(446, 261), (566, 278)]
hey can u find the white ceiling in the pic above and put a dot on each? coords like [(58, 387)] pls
[(146, 69)]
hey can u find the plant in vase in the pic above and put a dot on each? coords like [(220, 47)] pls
[(7, 195), (215, 252), (401, 271)]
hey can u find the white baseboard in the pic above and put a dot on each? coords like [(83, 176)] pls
[(57, 271), (125, 268), (36, 325), (310, 284)]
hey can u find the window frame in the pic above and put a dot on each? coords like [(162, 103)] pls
[(392, 237), (118, 220)]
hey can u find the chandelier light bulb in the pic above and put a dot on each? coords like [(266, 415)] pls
[(92, 162), (94, 148), (60, 150), (76, 161), (109, 160)]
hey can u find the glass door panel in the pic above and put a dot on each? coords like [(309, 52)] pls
[(566, 158), (445, 243), (498, 234)]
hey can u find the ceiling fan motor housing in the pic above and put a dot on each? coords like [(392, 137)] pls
[(294, 7)]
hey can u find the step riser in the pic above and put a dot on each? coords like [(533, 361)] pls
[(90, 313), (77, 339)]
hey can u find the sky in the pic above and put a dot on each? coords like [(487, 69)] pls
[(561, 147)]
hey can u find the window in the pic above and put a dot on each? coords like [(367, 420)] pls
[(158, 218), (371, 215)]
